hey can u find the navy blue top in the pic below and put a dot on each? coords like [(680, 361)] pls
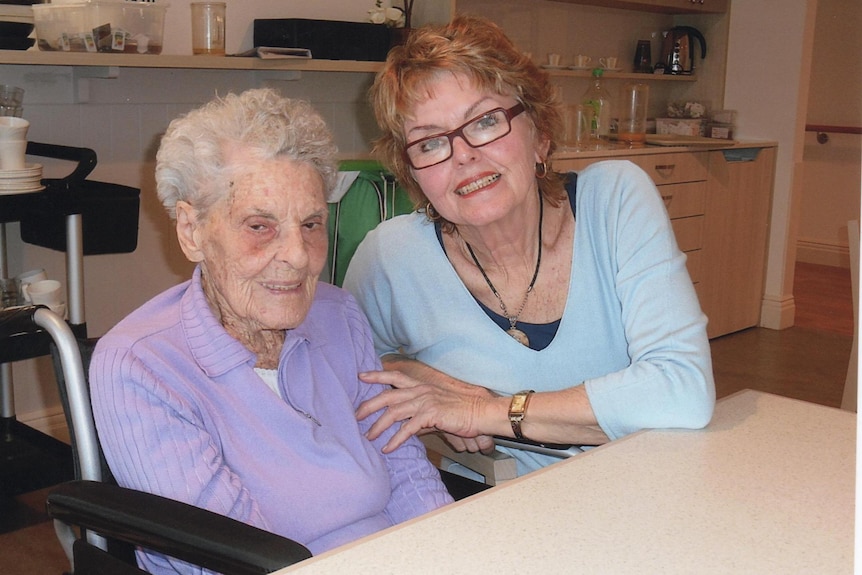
[(540, 334)]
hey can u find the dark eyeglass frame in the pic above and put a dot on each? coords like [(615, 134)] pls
[(509, 113)]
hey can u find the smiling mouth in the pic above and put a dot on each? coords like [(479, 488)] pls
[(477, 185), (282, 287)]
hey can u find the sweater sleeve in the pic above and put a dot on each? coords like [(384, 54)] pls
[(416, 484), (154, 441), (669, 382)]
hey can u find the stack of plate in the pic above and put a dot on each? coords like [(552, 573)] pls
[(24, 181)]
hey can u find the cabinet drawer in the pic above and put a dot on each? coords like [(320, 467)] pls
[(689, 233), (674, 168), (683, 200), (693, 264)]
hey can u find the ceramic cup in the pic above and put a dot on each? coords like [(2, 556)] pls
[(13, 142), (45, 292), (13, 154), (609, 62), (12, 128), (25, 279), (553, 59), (582, 61)]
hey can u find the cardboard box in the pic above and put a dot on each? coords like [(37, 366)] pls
[(680, 126)]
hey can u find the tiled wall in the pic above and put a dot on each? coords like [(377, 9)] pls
[(122, 118)]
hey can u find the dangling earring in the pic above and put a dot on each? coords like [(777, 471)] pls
[(541, 170), (431, 213)]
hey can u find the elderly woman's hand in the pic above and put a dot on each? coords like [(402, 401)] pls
[(426, 400)]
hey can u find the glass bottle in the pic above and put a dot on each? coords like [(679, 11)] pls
[(599, 99)]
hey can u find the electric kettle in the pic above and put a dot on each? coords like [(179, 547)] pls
[(677, 53)]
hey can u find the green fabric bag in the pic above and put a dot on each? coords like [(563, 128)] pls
[(373, 197)]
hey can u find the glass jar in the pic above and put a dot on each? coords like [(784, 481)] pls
[(634, 103)]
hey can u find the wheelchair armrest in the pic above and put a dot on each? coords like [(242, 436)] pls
[(552, 449), (174, 528)]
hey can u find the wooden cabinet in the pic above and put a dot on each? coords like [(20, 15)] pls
[(681, 181), (663, 6), (718, 202), (738, 199)]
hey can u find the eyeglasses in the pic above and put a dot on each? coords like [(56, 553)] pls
[(480, 131)]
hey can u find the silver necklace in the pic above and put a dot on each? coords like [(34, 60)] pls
[(513, 330)]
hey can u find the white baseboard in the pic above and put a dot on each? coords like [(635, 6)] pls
[(777, 312), (49, 421), (814, 252)]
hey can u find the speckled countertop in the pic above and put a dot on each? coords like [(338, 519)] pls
[(767, 487)]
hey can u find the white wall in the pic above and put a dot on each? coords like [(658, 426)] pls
[(121, 119), (768, 67), (830, 189)]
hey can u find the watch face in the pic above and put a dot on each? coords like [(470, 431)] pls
[(517, 405)]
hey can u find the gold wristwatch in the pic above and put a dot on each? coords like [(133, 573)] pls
[(518, 409)]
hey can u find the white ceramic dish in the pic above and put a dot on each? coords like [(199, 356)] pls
[(31, 190), (29, 170)]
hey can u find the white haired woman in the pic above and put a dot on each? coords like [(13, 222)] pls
[(236, 391)]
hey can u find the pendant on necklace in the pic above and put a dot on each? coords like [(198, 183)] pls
[(519, 336)]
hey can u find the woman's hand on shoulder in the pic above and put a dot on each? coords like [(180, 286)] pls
[(426, 400)]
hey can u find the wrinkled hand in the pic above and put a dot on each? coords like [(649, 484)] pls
[(442, 404)]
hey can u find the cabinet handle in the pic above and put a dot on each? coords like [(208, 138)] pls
[(665, 169), (667, 199)]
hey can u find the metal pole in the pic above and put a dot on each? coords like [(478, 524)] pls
[(7, 393), (75, 268)]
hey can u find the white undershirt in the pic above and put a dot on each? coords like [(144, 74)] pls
[(270, 377)]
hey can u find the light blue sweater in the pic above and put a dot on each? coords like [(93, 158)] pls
[(632, 331)]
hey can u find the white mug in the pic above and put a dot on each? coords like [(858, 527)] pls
[(13, 128), (582, 61), (13, 154), (44, 292), (609, 62), (553, 59), (27, 278)]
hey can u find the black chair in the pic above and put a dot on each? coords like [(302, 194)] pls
[(99, 522)]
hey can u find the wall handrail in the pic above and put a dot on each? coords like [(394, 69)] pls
[(823, 131), (829, 129)]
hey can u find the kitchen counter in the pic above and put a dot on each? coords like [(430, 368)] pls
[(611, 148), (767, 487)]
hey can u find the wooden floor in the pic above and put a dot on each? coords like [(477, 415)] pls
[(807, 362)]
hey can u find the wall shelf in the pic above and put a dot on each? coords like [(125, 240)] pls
[(623, 76), (111, 62), (39, 58)]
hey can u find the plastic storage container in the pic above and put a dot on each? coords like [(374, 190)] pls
[(116, 26)]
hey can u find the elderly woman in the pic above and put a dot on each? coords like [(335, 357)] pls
[(236, 391), (517, 303)]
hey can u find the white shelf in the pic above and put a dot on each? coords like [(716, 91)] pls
[(40, 58), (84, 59)]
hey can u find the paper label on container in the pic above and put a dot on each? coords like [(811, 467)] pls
[(118, 41), (90, 43)]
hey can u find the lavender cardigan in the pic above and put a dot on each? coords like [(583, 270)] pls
[(181, 412)]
